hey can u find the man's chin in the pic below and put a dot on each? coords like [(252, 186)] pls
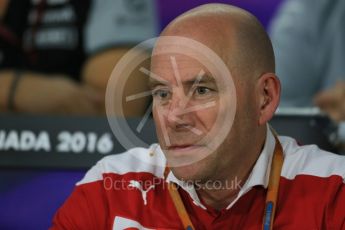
[(186, 157), (188, 173), (190, 165), (195, 172)]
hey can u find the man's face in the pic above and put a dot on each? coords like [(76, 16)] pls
[(190, 107)]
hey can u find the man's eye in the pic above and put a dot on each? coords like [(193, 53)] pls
[(160, 93), (202, 90)]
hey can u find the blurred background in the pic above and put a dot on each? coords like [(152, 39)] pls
[(56, 57)]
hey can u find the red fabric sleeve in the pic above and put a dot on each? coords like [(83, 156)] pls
[(86, 208), (336, 209)]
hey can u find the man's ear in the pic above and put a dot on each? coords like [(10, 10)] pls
[(268, 95)]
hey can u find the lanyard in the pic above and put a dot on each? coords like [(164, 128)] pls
[(271, 196)]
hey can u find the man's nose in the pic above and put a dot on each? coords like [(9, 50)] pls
[(177, 117)]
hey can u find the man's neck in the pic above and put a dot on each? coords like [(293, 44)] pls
[(231, 186)]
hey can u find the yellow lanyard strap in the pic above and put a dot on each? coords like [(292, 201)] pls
[(273, 186), (181, 210)]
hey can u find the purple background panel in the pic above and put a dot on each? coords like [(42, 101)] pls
[(262, 9)]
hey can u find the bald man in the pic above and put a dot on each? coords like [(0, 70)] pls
[(218, 164)]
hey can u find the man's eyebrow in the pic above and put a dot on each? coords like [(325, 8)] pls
[(201, 79), (153, 82)]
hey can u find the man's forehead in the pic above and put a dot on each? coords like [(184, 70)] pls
[(181, 60), (187, 55), (169, 68)]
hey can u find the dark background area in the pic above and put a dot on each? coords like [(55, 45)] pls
[(29, 197)]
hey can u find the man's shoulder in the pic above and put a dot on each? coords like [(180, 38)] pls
[(136, 160), (310, 160)]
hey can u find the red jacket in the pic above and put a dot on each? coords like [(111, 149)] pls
[(128, 191)]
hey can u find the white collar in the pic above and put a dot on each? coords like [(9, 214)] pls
[(258, 176)]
